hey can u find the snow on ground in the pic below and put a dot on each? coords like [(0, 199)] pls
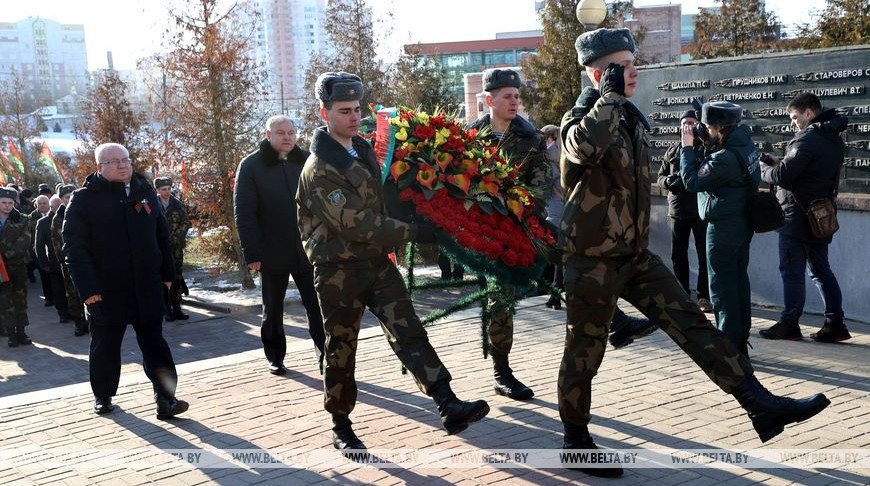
[(224, 292)]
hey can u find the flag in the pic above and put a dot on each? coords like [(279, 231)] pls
[(186, 190), (7, 169), (47, 158), (4, 277), (15, 156)]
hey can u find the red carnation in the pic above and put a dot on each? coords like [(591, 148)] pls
[(424, 132)]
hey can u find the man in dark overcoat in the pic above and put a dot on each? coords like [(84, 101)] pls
[(265, 211), (116, 242)]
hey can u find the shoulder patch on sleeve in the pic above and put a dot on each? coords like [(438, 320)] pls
[(337, 198), (704, 171)]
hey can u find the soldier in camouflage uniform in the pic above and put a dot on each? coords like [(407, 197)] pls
[(74, 302), (179, 223), (347, 234), (526, 149), (605, 166), (15, 236)]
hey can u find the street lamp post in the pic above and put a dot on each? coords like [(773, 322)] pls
[(591, 13)]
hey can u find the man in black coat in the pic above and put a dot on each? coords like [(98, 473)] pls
[(265, 212), (809, 171), (46, 257), (41, 209), (116, 243)]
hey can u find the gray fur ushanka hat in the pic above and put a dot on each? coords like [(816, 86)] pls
[(721, 113), (601, 42), (338, 87)]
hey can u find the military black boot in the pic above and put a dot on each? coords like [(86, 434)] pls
[(577, 437), (771, 413), (456, 414), (177, 313), (624, 329), (505, 382), (345, 440), (23, 338)]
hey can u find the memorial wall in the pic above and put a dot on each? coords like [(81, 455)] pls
[(763, 85)]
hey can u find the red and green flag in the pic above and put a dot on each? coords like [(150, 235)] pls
[(15, 156), (4, 276), (47, 158)]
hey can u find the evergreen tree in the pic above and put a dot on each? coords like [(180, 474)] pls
[(739, 27), (841, 23), (420, 82), (108, 117)]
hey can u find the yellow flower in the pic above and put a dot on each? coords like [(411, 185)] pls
[(423, 117), (402, 135)]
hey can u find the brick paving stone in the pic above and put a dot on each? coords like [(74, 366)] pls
[(646, 395)]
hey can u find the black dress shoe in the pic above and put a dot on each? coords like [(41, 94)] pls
[(80, 330), (168, 317), (102, 406), (177, 314), (277, 369), (166, 409), (48, 303)]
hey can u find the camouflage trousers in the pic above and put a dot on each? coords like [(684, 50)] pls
[(74, 302), (345, 291), (500, 329), (13, 298), (592, 287)]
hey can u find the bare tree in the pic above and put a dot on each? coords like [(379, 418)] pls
[(211, 109), (738, 27), (20, 123)]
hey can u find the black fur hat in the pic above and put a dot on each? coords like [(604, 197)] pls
[(500, 78)]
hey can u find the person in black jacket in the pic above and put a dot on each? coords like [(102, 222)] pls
[(684, 219), (809, 171), (265, 212), (116, 243), (48, 262)]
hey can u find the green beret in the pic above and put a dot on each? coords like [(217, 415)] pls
[(65, 189), (601, 42), (338, 87), (162, 181), (500, 78), (721, 113), (10, 193)]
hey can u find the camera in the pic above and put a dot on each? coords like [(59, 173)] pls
[(699, 130)]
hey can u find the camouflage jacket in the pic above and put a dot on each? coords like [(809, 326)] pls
[(178, 221), (606, 176), (341, 210), (526, 148), (15, 237)]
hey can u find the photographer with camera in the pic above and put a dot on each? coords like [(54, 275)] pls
[(683, 212), (807, 177), (725, 180)]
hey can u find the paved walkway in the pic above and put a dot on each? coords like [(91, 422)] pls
[(648, 395)]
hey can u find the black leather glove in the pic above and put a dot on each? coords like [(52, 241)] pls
[(613, 80), (425, 232)]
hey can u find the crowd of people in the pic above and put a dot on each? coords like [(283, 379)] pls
[(110, 253)]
